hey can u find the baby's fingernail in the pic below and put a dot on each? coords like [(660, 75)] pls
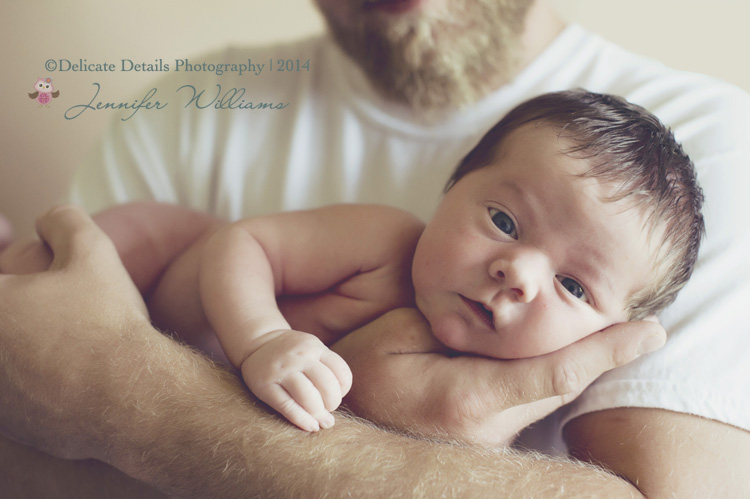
[(327, 421), (651, 343), (312, 426)]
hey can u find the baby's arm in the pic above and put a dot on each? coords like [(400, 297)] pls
[(342, 261), (292, 371)]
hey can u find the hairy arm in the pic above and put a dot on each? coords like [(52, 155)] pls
[(202, 436)]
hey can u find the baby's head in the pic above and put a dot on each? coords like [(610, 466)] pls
[(575, 212)]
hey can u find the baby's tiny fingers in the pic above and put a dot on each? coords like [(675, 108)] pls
[(280, 400), (339, 368), (306, 394), (327, 385)]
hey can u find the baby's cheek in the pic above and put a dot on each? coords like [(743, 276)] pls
[(545, 332), (567, 331)]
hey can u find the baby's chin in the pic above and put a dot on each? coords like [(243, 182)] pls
[(457, 335), (451, 332)]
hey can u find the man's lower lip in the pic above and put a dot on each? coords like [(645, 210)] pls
[(478, 311), (392, 6)]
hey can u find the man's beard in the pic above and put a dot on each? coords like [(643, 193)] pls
[(438, 60)]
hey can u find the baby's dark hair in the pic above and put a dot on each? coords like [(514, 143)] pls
[(630, 149)]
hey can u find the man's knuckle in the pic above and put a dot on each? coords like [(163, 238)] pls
[(568, 376), (461, 409), (90, 244)]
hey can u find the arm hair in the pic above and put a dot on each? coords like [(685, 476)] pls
[(191, 429)]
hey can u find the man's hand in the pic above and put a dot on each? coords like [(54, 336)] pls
[(22, 256), (405, 379), (300, 377), (53, 332), (25, 256)]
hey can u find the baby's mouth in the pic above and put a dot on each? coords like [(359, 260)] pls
[(482, 312)]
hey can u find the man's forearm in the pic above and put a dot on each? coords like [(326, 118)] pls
[(191, 429), (167, 416), (27, 472)]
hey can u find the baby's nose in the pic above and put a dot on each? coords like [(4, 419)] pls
[(519, 292), (522, 273)]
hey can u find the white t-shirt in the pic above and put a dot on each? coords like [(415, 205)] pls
[(337, 141)]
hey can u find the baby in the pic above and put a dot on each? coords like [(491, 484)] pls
[(575, 212)]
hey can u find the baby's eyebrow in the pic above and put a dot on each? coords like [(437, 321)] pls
[(523, 198), (591, 267)]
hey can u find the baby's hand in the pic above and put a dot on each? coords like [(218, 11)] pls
[(297, 375)]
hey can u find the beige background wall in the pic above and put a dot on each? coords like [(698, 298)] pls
[(39, 148)]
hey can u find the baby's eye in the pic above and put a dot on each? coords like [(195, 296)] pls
[(503, 222), (572, 287)]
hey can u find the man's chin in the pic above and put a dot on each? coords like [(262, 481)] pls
[(438, 61)]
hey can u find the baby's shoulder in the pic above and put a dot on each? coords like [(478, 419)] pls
[(385, 223), (376, 211)]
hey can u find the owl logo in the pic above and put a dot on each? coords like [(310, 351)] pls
[(44, 92)]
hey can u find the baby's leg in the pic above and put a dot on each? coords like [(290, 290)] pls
[(148, 236)]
